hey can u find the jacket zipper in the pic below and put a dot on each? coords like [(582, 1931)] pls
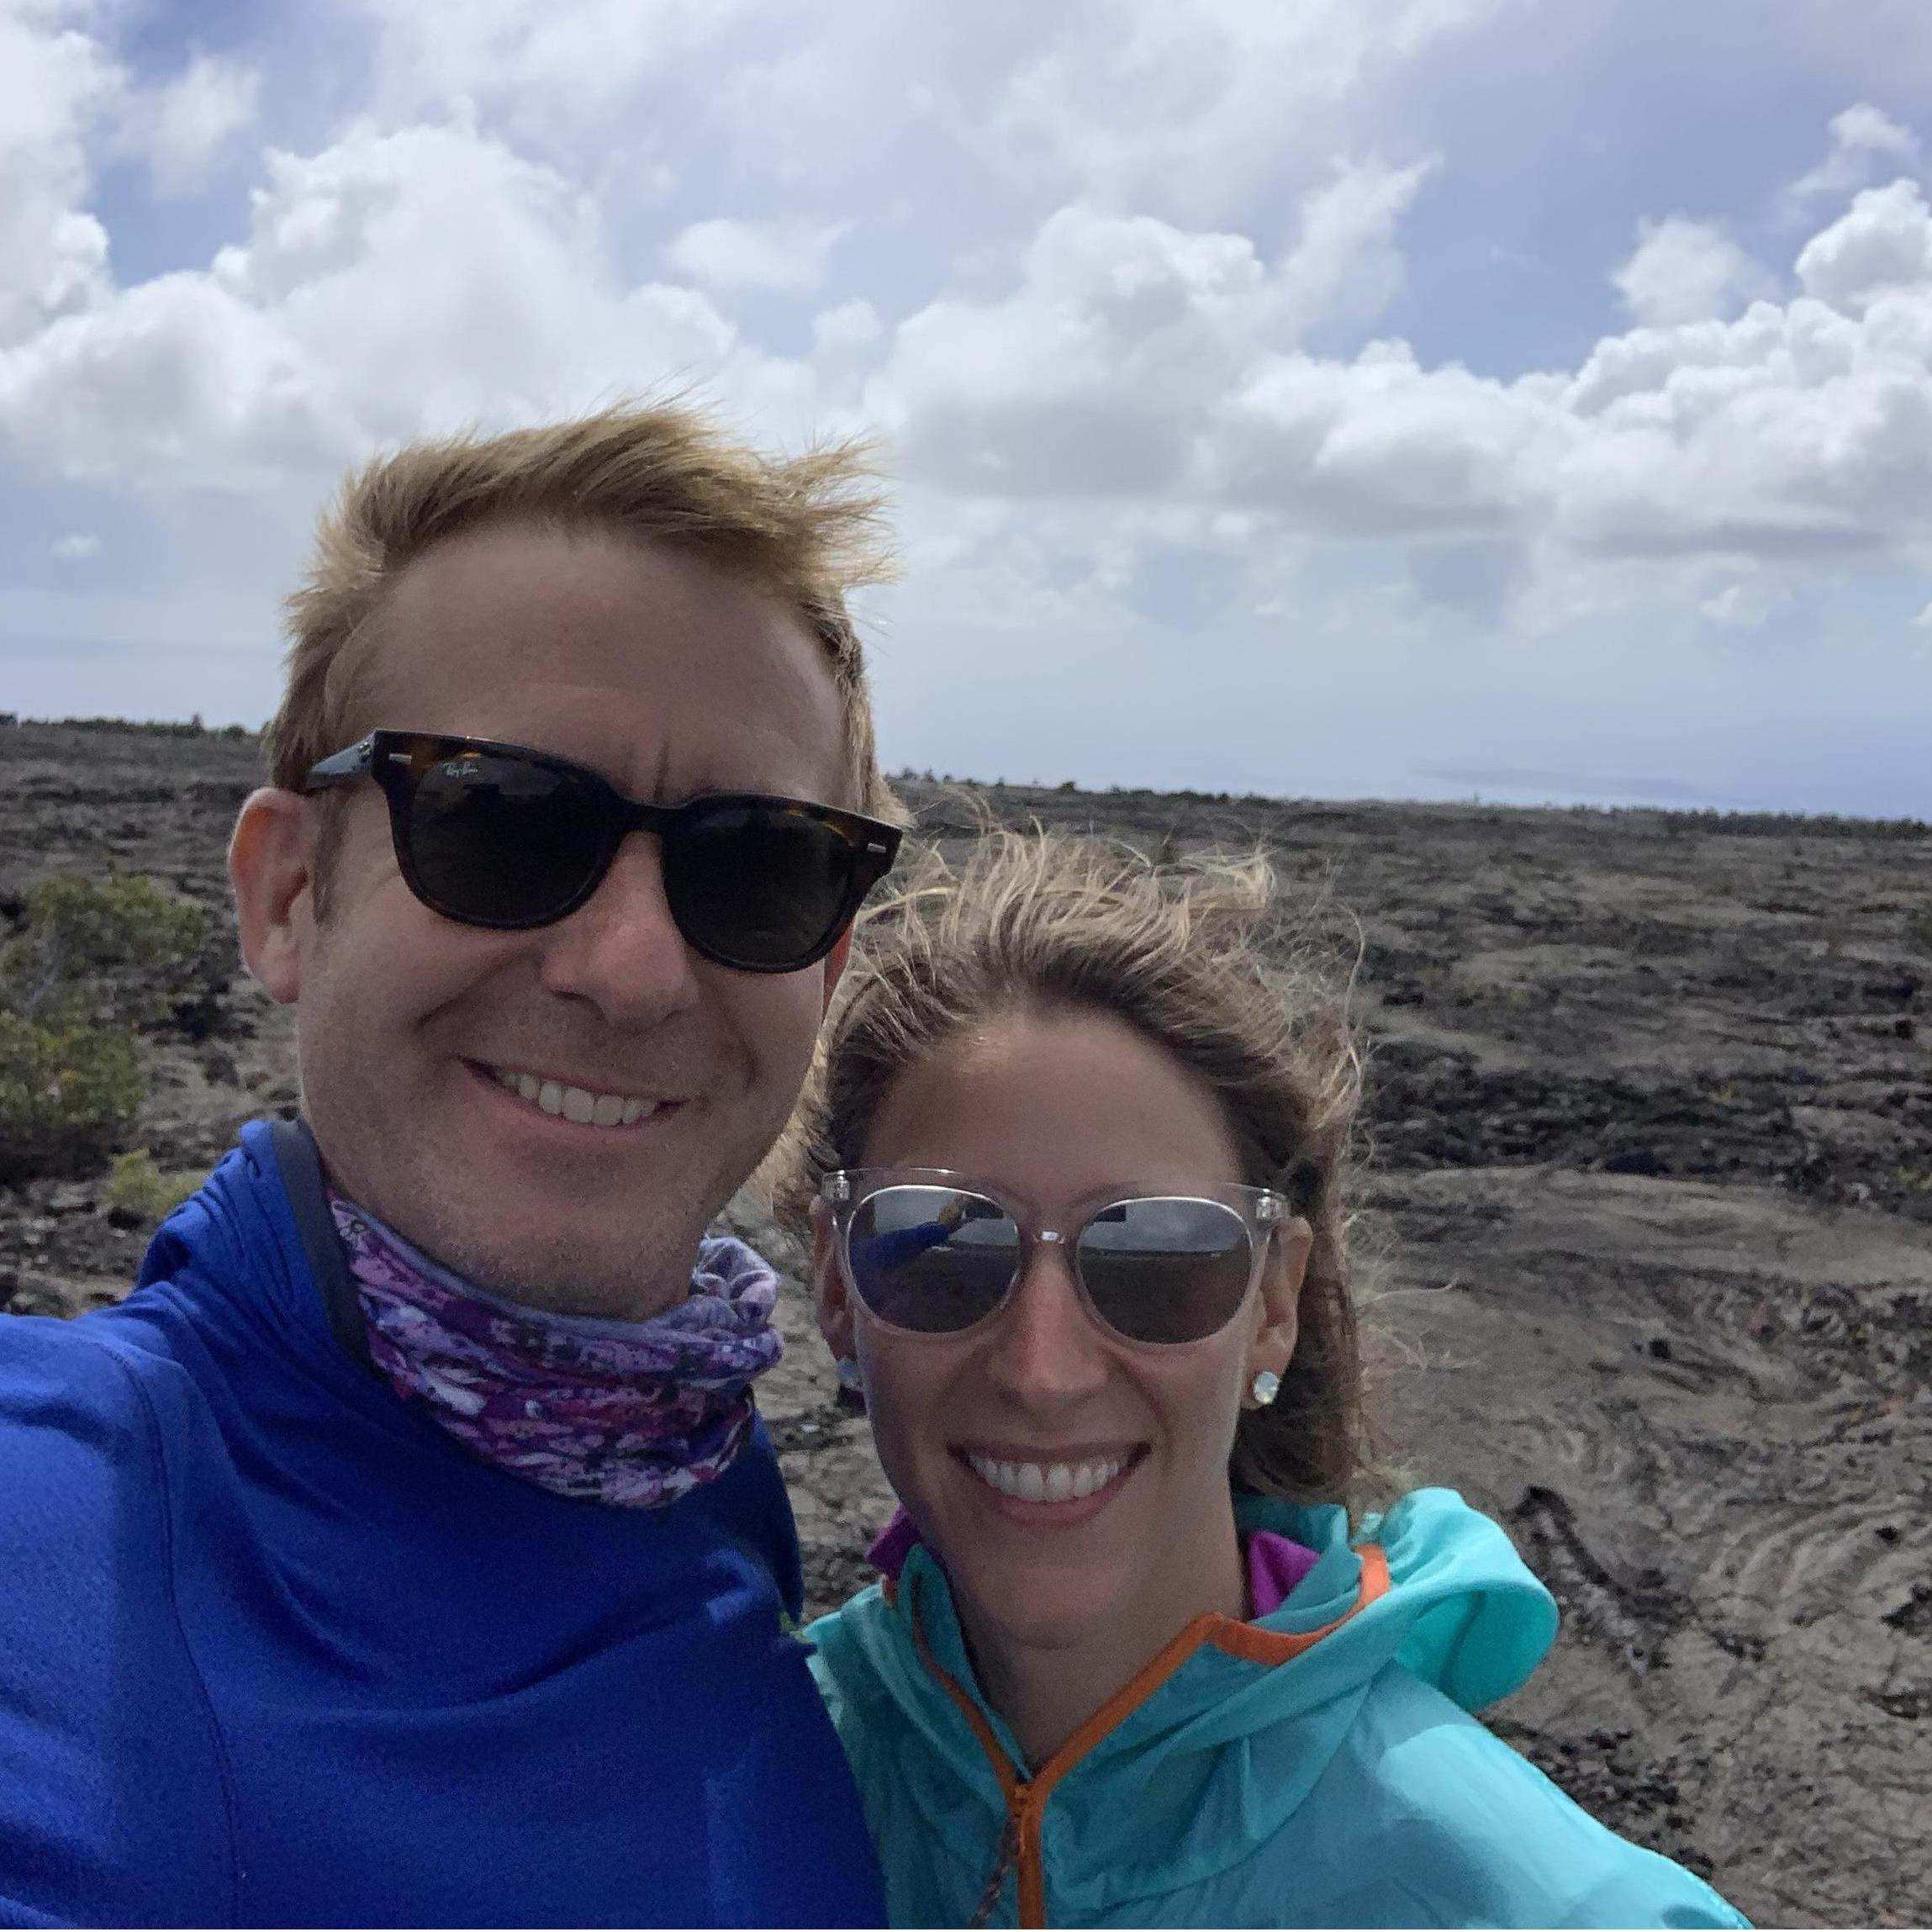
[(989, 1897), (1030, 1880), (1019, 1843), (1019, 1852)]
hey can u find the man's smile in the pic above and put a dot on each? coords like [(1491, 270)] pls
[(564, 1099)]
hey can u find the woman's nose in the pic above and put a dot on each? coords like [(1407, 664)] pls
[(1046, 1350)]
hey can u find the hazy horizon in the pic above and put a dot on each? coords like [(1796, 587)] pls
[(1503, 790)]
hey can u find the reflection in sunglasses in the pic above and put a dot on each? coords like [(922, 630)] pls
[(1153, 1268)]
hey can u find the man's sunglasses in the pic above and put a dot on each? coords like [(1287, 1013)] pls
[(497, 834), (931, 1252)]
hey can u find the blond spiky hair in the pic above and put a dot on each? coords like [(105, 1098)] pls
[(806, 529)]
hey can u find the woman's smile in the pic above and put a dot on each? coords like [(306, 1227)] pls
[(1052, 1489)]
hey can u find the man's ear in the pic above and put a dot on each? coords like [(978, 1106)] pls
[(272, 866), (828, 1289), (1278, 1321)]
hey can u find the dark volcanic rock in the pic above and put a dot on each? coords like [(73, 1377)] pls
[(1650, 1106)]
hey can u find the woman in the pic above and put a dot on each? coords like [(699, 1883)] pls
[(1076, 1171)]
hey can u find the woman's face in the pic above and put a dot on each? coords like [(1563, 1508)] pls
[(1054, 1110)]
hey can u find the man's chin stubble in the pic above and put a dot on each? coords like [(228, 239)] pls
[(566, 1275)]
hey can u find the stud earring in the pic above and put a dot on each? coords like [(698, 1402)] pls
[(1265, 1388)]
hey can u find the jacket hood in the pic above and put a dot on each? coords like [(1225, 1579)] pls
[(1431, 1586), (1462, 1612)]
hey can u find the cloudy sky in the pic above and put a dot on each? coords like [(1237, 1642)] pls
[(1412, 398)]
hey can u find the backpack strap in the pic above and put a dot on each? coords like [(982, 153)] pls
[(300, 1165)]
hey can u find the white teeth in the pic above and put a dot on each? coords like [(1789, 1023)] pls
[(1045, 1482), (576, 1104)]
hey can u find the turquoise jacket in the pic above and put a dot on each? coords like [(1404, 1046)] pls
[(1318, 1767)]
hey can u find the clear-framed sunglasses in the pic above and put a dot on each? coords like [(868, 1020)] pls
[(930, 1251)]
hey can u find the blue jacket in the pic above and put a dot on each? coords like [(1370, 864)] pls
[(275, 1651), (1316, 1767)]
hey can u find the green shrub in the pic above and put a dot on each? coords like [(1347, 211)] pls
[(70, 1089), (138, 1187), (96, 959), (124, 948)]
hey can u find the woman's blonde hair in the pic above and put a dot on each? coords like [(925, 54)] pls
[(1203, 961)]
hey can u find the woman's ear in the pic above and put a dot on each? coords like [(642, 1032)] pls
[(1278, 1320), (828, 1289)]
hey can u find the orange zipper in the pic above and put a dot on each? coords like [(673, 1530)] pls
[(1026, 1798)]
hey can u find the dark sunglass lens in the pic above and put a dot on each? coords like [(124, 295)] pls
[(1165, 1270), (933, 1259), (757, 885), (502, 841)]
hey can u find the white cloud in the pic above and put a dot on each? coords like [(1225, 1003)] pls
[(389, 284), (77, 547), (1344, 266), (845, 346), (1862, 137), (1883, 246), (724, 253), (429, 276), (1743, 605), (550, 75), (1100, 373), (196, 116), (1863, 128), (1684, 271), (1381, 446), (1142, 363), (1094, 375), (1179, 109), (852, 326), (53, 81)]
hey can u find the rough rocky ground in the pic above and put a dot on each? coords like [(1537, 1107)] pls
[(1652, 1116)]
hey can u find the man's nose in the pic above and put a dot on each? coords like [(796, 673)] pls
[(1046, 1352), (620, 949)]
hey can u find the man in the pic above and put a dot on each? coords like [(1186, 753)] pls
[(405, 1549)]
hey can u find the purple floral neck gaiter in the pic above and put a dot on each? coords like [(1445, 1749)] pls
[(632, 1413)]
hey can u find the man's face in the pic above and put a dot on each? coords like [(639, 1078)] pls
[(670, 679)]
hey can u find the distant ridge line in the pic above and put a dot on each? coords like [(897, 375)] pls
[(1677, 817), (151, 727)]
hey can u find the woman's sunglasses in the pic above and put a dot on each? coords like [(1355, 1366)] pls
[(501, 835), (930, 1253)]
